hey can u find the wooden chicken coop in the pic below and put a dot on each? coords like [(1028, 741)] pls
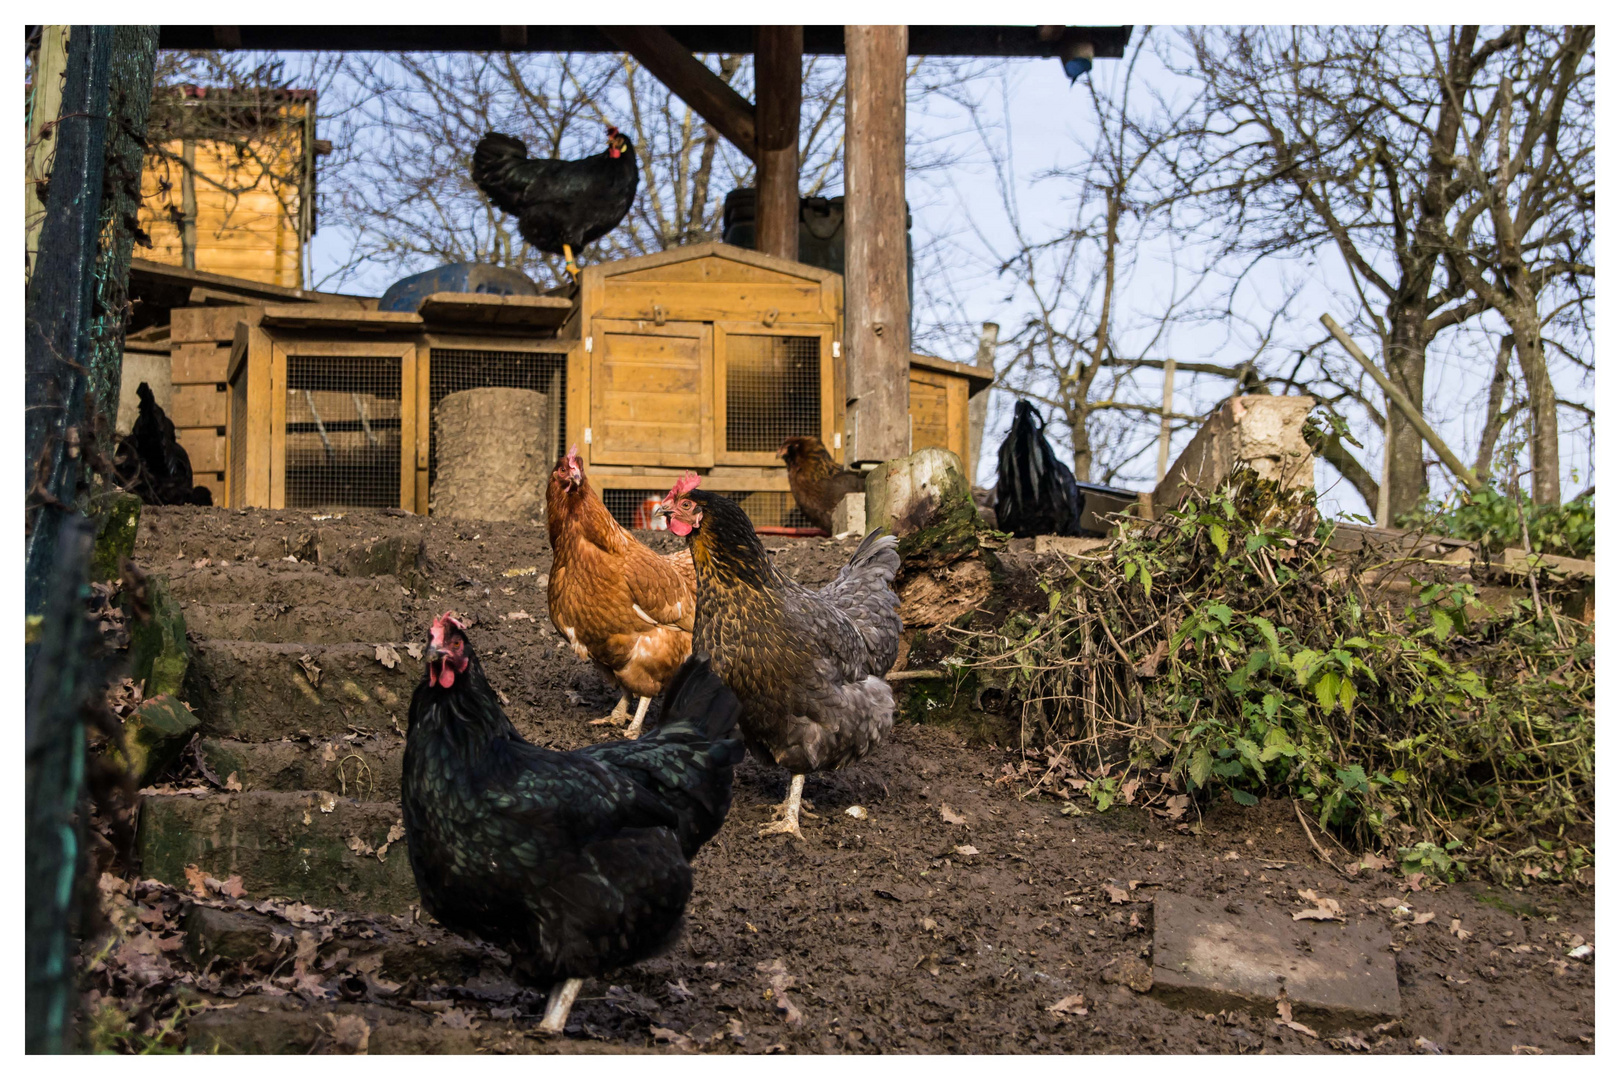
[(705, 358)]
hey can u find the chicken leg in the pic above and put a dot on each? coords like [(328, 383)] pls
[(634, 730), (787, 814), (558, 1006), (568, 261), (620, 713)]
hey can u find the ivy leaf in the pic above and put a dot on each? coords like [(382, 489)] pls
[(1217, 536)]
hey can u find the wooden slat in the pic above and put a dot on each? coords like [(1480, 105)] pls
[(199, 362), (930, 411), (210, 324), (977, 378), (407, 428), (704, 302), (199, 406), (259, 361), (711, 269), (337, 317), (652, 391), (278, 427), (205, 447), (541, 312)]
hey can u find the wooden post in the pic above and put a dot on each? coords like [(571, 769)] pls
[(979, 404), (1164, 419), (778, 86), (1398, 398), (49, 67), (877, 313)]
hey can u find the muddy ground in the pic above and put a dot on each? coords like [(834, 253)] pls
[(902, 932)]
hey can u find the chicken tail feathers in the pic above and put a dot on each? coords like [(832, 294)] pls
[(495, 159), (698, 700)]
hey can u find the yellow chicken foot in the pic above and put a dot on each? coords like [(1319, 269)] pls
[(788, 813), (558, 1006), (634, 730), (620, 713), (568, 261)]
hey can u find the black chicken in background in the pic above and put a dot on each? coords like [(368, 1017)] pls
[(575, 863), (1035, 492), (560, 205), (150, 461)]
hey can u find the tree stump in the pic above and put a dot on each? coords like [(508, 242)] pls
[(493, 457)]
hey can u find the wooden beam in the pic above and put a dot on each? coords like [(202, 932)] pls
[(1398, 398), (672, 64), (877, 310), (50, 65), (778, 90)]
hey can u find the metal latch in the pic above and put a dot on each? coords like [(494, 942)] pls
[(837, 349), (587, 436), (588, 345)]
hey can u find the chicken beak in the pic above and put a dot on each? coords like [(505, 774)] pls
[(433, 653)]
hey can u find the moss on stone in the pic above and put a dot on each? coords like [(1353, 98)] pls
[(115, 541), (158, 652)]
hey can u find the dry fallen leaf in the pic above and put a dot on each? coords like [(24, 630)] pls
[(516, 615), (1427, 1046), (1425, 917), (1324, 908), (965, 849), (1519, 1049), (857, 812), (197, 880), (951, 817), (312, 670), (671, 1036), (388, 656), (1461, 934), (350, 1034), (415, 649), (232, 783), (781, 983), (1285, 1017), (1073, 1005), (1116, 894)]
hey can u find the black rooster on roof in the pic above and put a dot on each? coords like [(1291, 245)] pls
[(560, 205)]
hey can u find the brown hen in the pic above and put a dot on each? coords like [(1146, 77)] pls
[(816, 480), (620, 604)]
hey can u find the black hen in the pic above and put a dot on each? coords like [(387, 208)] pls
[(1035, 492), (150, 461), (560, 205), (575, 863)]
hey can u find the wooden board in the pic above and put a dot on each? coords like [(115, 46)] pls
[(484, 309), (337, 317), (652, 394), (709, 269), (699, 301), (938, 412), (202, 405), (205, 447), (211, 323), (199, 362)]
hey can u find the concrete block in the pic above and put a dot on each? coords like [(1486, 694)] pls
[(849, 516), (1261, 431), (902, 494), (1208, 956)]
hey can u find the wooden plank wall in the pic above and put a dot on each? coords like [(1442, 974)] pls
[(247, 221), (200, 406)]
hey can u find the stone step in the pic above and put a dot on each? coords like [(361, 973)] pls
[(311, 846), (258, 1024), (399, 552), (364, 768), (289, 584), (315, 623), (261, 691)]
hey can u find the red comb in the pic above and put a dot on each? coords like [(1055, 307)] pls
[(685, 484)]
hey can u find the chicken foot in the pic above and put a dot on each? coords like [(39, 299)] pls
[(558, 1006), (634, 730), (620, 713), (787, 814), (568, 260)]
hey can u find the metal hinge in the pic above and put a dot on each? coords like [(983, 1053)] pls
[(838, 440), (587, 436), (588, 349), (838, 349)]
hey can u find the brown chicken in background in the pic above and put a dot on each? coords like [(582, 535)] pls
[(619, 603), (807, 664), (818, 483)]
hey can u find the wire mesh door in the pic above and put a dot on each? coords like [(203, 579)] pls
[(346, 428), (772, 383), (453, 370), (633, 507)]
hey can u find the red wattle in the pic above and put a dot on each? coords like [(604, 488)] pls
[(679, 527), (446, 676)]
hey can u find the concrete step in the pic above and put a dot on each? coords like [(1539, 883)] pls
[(363, 768), (315, 623), (260, 691), (311, 846), (288, 584), (399, 552)]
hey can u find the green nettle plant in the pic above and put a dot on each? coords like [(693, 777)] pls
[(1230, 649)]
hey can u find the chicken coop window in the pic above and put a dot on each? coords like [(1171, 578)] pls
[(343, 431), (773, 390), (633, 507), (452, 370)]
